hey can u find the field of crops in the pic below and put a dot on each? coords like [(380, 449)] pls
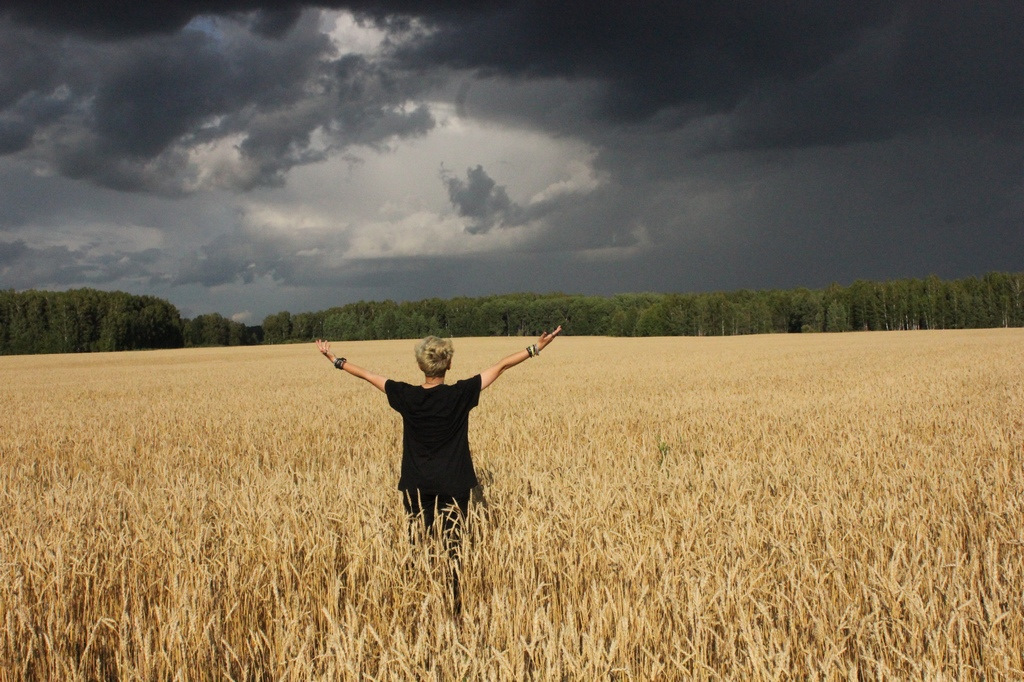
[(771, 507)]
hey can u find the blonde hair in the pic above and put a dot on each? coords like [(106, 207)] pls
[(434, 355)]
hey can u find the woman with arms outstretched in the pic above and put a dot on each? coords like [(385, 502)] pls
[(437, 466)]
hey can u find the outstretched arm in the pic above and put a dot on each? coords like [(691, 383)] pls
[(375, 379), (488, 376)]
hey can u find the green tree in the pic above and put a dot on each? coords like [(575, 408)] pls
[(277, 328)]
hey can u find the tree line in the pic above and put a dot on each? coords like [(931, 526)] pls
[(82, 320), (995, 300)]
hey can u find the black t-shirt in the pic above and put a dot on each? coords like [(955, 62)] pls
[(435, 435)]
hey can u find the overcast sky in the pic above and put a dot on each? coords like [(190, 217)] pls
[(243, 160)]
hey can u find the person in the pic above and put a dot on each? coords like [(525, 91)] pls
[(437, 474)]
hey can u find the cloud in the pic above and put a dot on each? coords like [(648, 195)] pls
[(139, 115), (140, 110), (608, 146), (123, 18), (678, 60), (297, 248), (25, 266), (487, 205), (482, 200), (749, 75), (11, 252), (15, 135), (666, 55), (248, 255)]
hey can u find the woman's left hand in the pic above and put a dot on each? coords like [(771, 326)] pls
[(547, 338)]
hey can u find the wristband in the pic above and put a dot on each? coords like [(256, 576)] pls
[(532, 350), (339, 363)]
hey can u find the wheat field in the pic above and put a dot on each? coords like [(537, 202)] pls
[(771, 507)]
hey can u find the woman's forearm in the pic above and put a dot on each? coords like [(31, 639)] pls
[(513, 360), (356, 371), (341, 363), (488, 376)]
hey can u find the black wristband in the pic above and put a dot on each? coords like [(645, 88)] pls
[(339, 363)]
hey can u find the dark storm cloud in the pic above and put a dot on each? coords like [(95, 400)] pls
[(15, 135), (949, 66), (24, 266), (745, 143), (289, 257), (769, 74), (698, 57), (654, 55), (482, 200), (126, 112), (129, 114), (486, 204), (274, 23), (124, 18), (11, 252), (30, 60)]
